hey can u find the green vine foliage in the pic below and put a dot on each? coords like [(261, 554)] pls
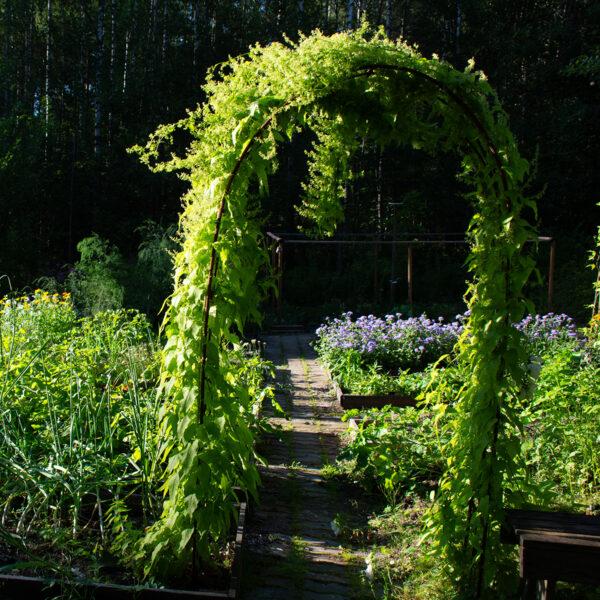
[(344, 87)]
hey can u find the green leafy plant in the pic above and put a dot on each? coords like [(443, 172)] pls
[(397, 450), (150, 279), (96, 282), (562, 430), (350, 85), (78, 415)]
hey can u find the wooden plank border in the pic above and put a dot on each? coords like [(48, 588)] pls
[(17, 587), (349, 401)]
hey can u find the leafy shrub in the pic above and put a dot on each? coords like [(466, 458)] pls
[(150, 279), (102, 280), (563, 428), (96, 282), (394, 449)]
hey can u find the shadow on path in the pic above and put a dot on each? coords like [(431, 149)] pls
[(291, 549)]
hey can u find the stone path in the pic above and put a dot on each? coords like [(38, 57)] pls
[(291, 548)]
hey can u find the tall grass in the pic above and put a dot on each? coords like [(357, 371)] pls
[(78, 416)]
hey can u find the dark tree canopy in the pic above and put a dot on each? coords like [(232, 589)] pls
[(84, 80)]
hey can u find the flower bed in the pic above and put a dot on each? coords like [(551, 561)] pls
[(392, 356), (377, 361), (392, 341)]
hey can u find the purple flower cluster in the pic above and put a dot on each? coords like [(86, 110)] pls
[(412, 343), (391, 341), (545, 330)]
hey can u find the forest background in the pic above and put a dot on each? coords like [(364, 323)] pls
[(83, 80)]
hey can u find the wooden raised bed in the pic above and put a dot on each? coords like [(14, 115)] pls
[(19, 587), (554, 546), (349, 401)]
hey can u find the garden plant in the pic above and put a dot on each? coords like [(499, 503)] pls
[(78, 412), (372, 355)]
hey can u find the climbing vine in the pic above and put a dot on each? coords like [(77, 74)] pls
[(344, 87)]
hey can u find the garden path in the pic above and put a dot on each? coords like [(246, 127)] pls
[(291, 548)]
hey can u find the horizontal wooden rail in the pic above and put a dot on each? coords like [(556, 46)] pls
[(379, 242), (553, 546)]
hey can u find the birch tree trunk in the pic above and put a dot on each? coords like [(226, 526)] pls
[(403, 24), (165, 35), (111, 75), (82, 99), (325, 13), (458, 25), (196, 42), (47, 75), (134, 33), (28, 53), (125, 61), (360, 13), (7, 30), (388, 17), (98, 86), (350, 16), (113, 42), (153, 42)]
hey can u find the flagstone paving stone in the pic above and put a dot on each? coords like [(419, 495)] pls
[(291, 548)]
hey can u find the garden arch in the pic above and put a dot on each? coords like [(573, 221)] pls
[(343, 87)]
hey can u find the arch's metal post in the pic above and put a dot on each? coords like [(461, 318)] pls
[(376, 272), (410, 279), (279, 278), (551, 275), (214, 260)]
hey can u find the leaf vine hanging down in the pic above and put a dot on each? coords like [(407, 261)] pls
[(350, 85)]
